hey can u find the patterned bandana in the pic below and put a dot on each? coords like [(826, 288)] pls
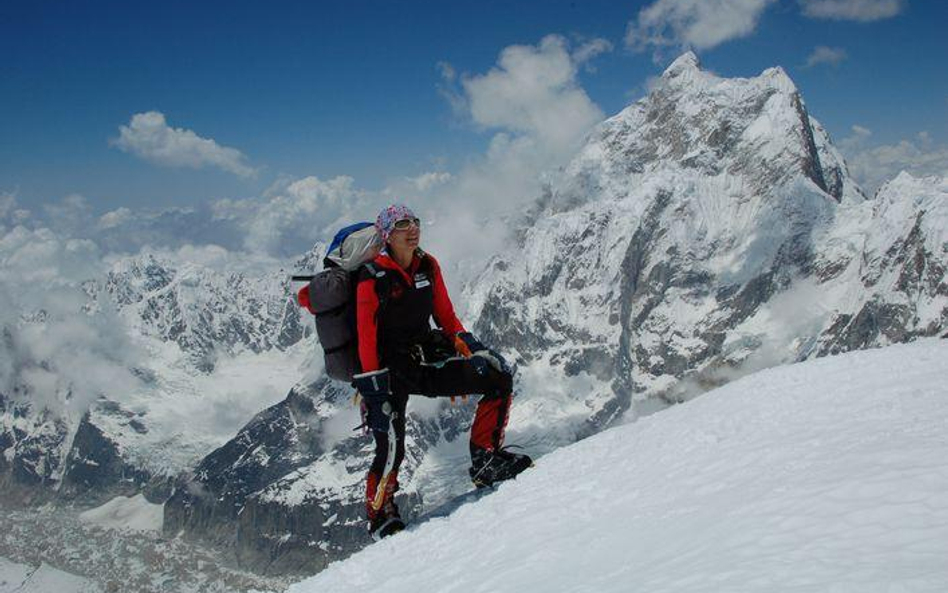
[(385, 223)]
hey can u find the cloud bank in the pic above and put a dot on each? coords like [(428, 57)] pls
[(150, 137)]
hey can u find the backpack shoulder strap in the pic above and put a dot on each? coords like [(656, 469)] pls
[(382, 281)]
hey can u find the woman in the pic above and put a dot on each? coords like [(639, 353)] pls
[(397, 295)]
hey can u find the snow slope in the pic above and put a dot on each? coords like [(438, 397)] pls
[(123, 512), (20, 578), (827, 475)]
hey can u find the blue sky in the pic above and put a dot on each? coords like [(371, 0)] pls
[(357, 89)]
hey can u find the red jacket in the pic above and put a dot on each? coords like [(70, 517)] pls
[(367, 304)]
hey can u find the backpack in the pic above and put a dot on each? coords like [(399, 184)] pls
[(330, 296)]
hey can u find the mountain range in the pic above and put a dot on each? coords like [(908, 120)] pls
[(707, 231)]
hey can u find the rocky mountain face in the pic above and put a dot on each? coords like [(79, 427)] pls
[(894, 288), (204, 313), (706, 231)]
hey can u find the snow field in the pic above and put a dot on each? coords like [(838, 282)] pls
[(123, 512), (20, 578), (830, 475)]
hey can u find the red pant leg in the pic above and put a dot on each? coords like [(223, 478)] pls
[(490, 422)]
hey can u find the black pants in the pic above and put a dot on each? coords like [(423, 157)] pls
[(452, 377)]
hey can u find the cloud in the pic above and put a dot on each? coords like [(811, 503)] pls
[(297, 214), (852, 10), (534, 104), (447, 71), (697, 24), (7, 204), (55, 351), (873, 165), (449, 90), (533, 91), (115, 218), (861, 132), (821, 54), (589, 50), (31, 258), (71, 216), (150, 137), (427, 181)]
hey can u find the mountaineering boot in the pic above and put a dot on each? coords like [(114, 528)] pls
[(386, 521), (488, 467)]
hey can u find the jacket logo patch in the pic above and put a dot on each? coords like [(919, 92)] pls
[(421, 281)]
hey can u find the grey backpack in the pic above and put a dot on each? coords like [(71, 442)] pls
[(330, 297)]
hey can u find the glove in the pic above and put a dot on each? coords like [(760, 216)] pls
[(469, 346), (373, 383), (375, 389), (466, 344)]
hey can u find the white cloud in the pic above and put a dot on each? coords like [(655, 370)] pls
[(822, 54), (115, 218), (860, 131), (302, 212), (534, 100), (852, 10), (448, 88), (54, 351), (531, 98), (70, 216), (873, 165), (427, 181), (698, 24), (29, 258), (150, 137), (590, 49), (533, 91)]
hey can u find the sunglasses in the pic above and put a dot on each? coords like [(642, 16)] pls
[(405, 224)]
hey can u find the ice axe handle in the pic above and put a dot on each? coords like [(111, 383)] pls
[(302, 278)]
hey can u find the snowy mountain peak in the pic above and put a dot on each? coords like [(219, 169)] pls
[(687, 61), (707, 229), (920, 186), (779, 79), (754, 131)]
